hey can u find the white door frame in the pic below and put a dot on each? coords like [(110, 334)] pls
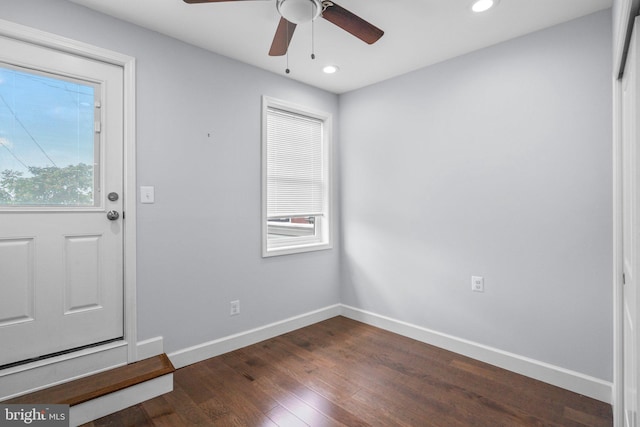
[(618, 391), (624, 12), (36, 375)]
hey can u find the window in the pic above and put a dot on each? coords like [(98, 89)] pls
[(296, 178), (48, 145)]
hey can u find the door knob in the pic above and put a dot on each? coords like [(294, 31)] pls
[(113, 215)]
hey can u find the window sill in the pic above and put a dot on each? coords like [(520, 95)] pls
[(289, 250)]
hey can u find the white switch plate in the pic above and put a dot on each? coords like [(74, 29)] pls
[(477, 284), (147, 195)]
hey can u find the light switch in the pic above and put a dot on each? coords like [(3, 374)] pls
[(147, 195)]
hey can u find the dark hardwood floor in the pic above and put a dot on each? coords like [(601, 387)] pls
[(343, 373)]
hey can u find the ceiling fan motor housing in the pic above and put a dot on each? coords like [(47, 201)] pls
[(299, 11)]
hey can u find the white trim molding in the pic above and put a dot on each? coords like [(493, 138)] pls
[(129, 213), (554, 375), (617, 288), (223, 345), (150, 348)]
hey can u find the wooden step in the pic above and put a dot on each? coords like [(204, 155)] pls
[(98, 385)]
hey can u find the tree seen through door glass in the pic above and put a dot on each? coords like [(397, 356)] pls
[(47, 140)]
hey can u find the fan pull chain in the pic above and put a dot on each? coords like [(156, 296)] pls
[(287, 70), (313, 49)]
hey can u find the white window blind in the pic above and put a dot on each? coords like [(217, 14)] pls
[(295, 175)]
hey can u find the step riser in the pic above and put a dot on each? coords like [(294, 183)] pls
[(117, 401)]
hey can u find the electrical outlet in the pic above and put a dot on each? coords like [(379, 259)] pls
[(235, 308), (477, 284)]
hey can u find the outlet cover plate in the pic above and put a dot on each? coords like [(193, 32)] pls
[(477, 284), (234, 308)]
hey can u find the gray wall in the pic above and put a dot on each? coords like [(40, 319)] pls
[(496, 164), (199, 245)]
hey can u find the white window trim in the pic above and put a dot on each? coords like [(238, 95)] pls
[(325, 240)]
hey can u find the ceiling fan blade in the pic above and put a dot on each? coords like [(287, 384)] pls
[(351, 23), (282, 38)]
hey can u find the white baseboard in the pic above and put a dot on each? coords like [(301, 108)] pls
[(554, 375), (223, 345), (149, 348), (114, 402), (560, 377)]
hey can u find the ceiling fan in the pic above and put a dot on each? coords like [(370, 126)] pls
[(294, 12)]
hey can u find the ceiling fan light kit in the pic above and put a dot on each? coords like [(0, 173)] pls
[(299, 11)]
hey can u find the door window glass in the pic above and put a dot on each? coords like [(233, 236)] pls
[(48, 140)]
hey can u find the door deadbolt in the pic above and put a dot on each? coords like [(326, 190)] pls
[(113, 196)]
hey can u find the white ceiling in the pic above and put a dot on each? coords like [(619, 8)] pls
[(417, 32)]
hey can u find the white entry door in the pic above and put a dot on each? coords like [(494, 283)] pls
[(61, 220), (631, 228)]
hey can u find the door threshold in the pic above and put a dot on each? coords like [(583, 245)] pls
[(36, 375), (98, 385), (60, 353)]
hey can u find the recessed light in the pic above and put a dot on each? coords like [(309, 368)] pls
[(330, 69), (483, 5)]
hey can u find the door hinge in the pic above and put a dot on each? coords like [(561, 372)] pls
[(97, 127)]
